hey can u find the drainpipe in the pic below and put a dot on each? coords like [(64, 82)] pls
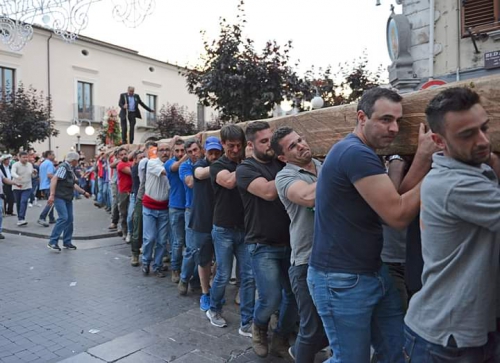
[(431, 38), (459, 37), (48, 82)]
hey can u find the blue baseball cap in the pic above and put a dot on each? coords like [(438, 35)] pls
[(212, 143)]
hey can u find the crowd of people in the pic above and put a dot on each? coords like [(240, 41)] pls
[(393, 255)]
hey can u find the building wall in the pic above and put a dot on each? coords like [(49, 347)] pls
[(452, 52), (110, 69)]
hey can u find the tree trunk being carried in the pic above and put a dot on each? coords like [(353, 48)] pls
[(323, 128)]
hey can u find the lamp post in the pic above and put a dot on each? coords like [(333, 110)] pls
[(75, 128), (317, 101)]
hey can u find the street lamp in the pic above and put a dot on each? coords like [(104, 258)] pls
[(317, 101), (74, 129)]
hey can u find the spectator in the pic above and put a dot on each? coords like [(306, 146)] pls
[(47, 171), (22, 173)]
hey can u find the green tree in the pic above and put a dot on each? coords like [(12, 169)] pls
[(175, 120), (25, 119)]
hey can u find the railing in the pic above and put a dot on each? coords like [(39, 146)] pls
[(88, 113)]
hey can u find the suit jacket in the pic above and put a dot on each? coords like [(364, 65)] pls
[(124, 100)]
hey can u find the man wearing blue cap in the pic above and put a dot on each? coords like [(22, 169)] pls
[(202, 211)]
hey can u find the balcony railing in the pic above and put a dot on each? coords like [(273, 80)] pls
[(93, 113)]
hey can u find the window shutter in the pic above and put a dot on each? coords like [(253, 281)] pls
[(478, 13)]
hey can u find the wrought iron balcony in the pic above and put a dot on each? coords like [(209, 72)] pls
[(91, 113)]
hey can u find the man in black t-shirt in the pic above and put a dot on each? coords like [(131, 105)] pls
[(202, 212), (134, 210), (268, 239), (229, 232)]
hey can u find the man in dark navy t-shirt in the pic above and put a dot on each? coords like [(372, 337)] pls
[(353, 292)]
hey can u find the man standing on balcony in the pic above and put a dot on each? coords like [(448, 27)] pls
[(129, 108)]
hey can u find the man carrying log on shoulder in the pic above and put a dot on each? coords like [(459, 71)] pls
[(453, 316), (351, 288)]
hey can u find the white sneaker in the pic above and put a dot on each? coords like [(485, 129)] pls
[(22, 223), (30, 205), (127, 239)]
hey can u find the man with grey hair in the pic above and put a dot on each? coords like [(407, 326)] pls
[(129, 109), (62, 185)]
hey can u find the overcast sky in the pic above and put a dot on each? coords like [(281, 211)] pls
[(323, 31)]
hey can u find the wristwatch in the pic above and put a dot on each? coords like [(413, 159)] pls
[(394, 157)]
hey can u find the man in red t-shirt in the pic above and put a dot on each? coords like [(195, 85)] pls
[(124, 190)]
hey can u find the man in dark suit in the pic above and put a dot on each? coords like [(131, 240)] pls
[(129, 108), (7, 189)]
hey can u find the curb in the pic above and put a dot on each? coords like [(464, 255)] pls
[(46, 236)]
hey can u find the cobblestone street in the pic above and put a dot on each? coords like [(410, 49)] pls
[(90, 305)]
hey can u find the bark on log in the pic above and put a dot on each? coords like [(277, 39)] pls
[(325, 127)]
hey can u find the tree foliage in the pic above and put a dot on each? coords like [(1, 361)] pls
[(25, 119), (175, 120), (236, 80)]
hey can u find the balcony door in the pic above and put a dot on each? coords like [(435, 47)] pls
[(85, 109)]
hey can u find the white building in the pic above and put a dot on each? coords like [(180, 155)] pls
[(446, 40), (87, 77)]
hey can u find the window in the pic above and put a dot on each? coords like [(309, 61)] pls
[(7, 81), (85, 101), (151, 102), (480, 16)]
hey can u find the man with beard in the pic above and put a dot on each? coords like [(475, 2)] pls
[(47, 171), (228, 233), (124, 190), (351, 288), (268, 241), (155, 210), (454, 312), (202, 211), (296, 185)]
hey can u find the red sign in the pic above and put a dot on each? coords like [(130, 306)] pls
[(433, 84)]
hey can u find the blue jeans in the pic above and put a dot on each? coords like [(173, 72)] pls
[(130, 213), (189, 267), (359, 310), (34, 189), (155, 235), (64, 223), (270, 267), (228, 243), (21, 197), (417, 349), (45, 211), (92, 187), (177, 226)]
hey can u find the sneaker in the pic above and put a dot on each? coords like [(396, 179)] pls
[(176, 276), (98, 205), (2, 236), (52, 221), (70, 246), (204, 302), (30, 205), (182, 287), (128, 238), (290, 351), (216, 319), (112, 226), (145, 270), (42, 223), (160, 274), (22, 223), (246, 330), (54, 247), (134, 261), (259, 341), (237, 298), (232, 280)]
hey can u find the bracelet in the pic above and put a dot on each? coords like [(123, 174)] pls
[(395, 157)]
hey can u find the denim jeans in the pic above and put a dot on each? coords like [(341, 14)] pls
[(228, 243), (21, 197), (130, 214), (136, 242), (47, 209), (155, 235), (34, 190), (270, 266), (92, 188), (177, 226), (417, 349), (189, 267), (359, 310), (64, 223), (311, 338), (101, 193)]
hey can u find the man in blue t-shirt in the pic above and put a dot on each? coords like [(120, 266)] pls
[(352, 291), (177, 207), (47, 170), (189, 269)]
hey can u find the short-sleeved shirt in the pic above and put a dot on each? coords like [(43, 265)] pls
[(266, 222), (177, 197), (124, 180), (301, 218), (228, 210), (47, 167), (347, 231), (185, 170), (394, 248), (460, 225), (202, 208)]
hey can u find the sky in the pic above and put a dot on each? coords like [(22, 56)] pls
[(323, 32)]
